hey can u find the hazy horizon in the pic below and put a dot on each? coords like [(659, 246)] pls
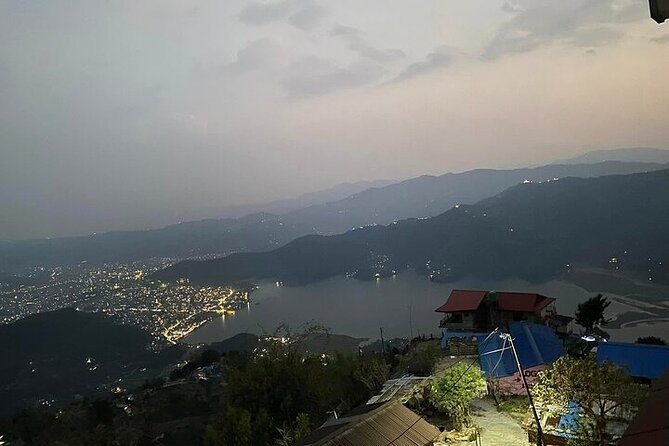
[(131, 115)]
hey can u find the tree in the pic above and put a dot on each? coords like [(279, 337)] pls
[(454, 391), (237, 427), (591, 312), (596, 392), (287, 385), (301, 428), (652, 340), (211, 436)]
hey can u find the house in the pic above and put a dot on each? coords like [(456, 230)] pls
[(473, 310), (537, 346), (382, 424)]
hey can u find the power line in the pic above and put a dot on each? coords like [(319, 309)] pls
[(485, 341)]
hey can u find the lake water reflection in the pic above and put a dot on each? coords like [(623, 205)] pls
[(401, 305)]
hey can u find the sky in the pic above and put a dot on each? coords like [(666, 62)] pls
[(135, 114)]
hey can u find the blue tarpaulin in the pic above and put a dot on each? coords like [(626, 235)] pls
[(640, 360), (536, 344), (569, 422)]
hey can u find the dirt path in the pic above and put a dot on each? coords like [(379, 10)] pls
[(497, 429)]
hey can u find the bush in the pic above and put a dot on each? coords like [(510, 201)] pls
[(453, 392)]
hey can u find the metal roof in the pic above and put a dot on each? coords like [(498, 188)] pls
[(641, 360), (391, 424), (525, 302), (397, 388), (469, 300), (651, 424), (462, 300)]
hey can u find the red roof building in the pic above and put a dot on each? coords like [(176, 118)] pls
[(523, 302), (462, 300), (476, 310)]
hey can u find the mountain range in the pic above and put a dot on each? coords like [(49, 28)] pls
[(533, 231), (424, 196), (637, 155)]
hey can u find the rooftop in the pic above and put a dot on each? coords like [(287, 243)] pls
[(470, 300), (462, 300), (385, 424), (651, 425), (641, 360)]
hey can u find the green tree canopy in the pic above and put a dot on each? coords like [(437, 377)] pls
[(591, 312), (601, 392), (294, 389), (453, 392)]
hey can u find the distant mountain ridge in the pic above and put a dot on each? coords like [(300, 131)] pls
[(424, 196), (532, 231), (635, 155), (335, 193)]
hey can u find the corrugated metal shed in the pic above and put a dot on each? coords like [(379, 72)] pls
[(641, 360), (398, 388), (535, 343), (390, 424)]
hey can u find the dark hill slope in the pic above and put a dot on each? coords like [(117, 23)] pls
[(532, 231), (45, 356)]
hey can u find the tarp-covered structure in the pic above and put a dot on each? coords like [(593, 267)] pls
[(640, 360), (536, 344)]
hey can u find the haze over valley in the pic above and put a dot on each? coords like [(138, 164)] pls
[(309, 222)]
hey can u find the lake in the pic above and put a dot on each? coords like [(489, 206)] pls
[(402, 305)]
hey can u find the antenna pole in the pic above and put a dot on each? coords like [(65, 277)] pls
[(540, 434)]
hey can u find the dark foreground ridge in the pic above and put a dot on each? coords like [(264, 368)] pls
[(55, 355)]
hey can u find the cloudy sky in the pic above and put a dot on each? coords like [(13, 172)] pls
[(134, 114)]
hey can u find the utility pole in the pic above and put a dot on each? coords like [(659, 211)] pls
[(410, 321), (383, 345), (540, 434)]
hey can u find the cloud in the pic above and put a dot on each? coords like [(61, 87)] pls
[(661, 39), (256, 54), (577, 22), (511, 7), (355, 42), (302, 14), (257, 13), (595, 36), (313, 76), (434, 61), (308, 16)]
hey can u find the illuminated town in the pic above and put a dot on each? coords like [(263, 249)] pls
[(125, 292)]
